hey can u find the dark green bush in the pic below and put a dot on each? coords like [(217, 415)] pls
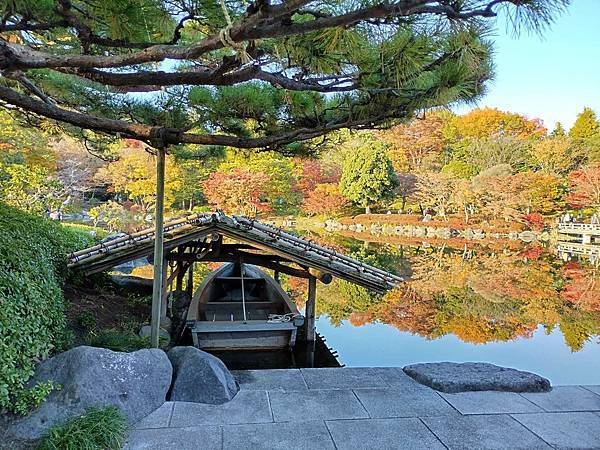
[(32, 318), (86, 320), (98, 429), (118, 340)]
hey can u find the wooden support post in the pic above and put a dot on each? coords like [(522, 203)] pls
[(180, 276), (310, 309), (158, 248), (166, 288), (190, 282)]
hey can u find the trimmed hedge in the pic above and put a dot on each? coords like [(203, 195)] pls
[(32, 313)]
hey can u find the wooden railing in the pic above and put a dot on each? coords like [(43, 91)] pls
[(579, 227)]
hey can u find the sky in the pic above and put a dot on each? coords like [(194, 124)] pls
[(550, 77)]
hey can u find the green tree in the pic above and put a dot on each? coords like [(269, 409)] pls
[(460, 169), (586, 134), (586, 125), (559, 130), (368, 176)]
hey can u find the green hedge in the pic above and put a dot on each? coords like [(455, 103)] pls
[(32, 312)]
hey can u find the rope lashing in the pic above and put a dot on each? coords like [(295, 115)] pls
[(227, 41), (282, 318)]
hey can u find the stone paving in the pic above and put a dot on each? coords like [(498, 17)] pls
[(371, 408)]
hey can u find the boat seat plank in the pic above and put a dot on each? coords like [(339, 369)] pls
[(238, 314), (250, 325), (252, 279), (248, 303)]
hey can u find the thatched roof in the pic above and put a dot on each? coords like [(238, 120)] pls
[(262, 237)]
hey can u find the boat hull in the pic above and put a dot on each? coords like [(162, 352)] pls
[(249, 326)]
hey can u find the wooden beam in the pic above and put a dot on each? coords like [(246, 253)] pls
[(310, 309), (261, 261), (218, 250)]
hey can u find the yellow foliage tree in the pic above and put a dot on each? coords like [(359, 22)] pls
[(134, 175), (491, 122), (556, 155)]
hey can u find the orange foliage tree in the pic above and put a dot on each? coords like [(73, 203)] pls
[(585, 187), (325, 199), (313, 172), (415, 142), (238, 191)]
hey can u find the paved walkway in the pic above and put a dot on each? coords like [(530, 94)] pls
[(371, 408)]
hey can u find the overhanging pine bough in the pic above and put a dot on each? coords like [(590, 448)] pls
[(76, 61)]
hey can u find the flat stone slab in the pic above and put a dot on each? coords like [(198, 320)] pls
[(269, 436), (343, 378), (298, 406), (462, 377), (277, 409), (565, 430), (189, 438), (395, 376), (394, 402), (498, 432), (565, 399), (491, 402), (246, 407), (593, 388), (159, 418), (270, 380), (370, 434)]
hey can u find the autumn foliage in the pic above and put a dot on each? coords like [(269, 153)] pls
[(582, 287), (585, 187), (236, 192), (325, 199)]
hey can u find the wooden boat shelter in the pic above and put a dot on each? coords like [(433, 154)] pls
[(215, 237)]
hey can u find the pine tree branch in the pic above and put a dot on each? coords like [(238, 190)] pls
[(172, 136), (271, 22)]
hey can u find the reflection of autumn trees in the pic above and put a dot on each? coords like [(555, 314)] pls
[(494, 297), (582, 286)]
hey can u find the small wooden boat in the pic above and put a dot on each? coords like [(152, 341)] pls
[(240, 307)]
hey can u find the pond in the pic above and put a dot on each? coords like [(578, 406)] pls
[(528, 306)]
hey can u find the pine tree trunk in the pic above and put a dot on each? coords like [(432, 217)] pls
[(367, 209)]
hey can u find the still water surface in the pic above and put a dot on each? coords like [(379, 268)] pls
[(504, 302)]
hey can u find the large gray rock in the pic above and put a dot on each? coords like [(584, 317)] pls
[(461, 377), (200, 377), (137, 383)]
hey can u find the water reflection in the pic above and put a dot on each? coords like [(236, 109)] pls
[(507, 302)]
